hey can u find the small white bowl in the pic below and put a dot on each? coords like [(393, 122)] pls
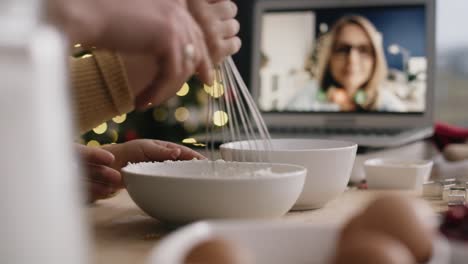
[(186, 191), (397, 174), (329, 164)]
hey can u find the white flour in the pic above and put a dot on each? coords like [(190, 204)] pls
[(205, 169)]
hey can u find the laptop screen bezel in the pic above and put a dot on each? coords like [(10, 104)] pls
[(339, 119)]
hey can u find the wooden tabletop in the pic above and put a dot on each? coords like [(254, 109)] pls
[(124, 234)]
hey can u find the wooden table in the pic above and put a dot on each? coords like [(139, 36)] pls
[(124, 234)]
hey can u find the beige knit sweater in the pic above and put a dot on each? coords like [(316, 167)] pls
[(100, 89)]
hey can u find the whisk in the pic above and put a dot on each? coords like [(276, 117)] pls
[(233, 115)]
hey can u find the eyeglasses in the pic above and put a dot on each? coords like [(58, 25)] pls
[(345, 50)]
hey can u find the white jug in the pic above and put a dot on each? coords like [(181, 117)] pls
[(40, 214)]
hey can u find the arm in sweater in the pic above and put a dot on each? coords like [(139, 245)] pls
[(100, 89)]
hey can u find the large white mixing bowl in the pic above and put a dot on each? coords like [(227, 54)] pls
[(186, 191), (328, 162)]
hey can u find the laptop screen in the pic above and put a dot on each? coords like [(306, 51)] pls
[(343, 59)]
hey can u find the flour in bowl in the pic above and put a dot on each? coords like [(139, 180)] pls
[(218, 169)]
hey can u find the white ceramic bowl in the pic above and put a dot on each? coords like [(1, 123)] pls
[(185, 191), (328, 162), (397, 174)]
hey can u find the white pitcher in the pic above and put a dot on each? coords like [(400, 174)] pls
[(40, 217)]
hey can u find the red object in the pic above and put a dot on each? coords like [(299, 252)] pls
[(363, 186), (455, 223), (445, 134), (130, 135)]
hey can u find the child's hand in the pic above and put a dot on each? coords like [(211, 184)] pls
[(142, 150), (103, 165), (101, 179)]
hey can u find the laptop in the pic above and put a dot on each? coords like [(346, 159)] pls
[(357, 70)]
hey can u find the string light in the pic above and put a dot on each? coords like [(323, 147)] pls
[(207, 88), (189, 141), (160, 114), (184, 90), (119, 119), (217, 90), (201, 97), (113, 135), (220, 118), (93, 143), (323, 28), (181, 114), (101, 129)]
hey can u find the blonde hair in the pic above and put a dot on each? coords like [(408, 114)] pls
[(380, 64)]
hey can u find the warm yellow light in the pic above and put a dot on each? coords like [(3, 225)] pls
[(199, 145), (189, 141), (201, 97), (160, 114), (217, 90), (220, 118), (78, 45), (184, 90), (120, 119), (181, 114), (101, 129), (207, 88), (113, 135), (93, 143), (87, 56)]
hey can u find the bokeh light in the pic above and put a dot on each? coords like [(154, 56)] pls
[(189, 141), (114, 135), (160, 114), (323, 28), (220, 118), (93, 143), (217, 90), (201, 97), (120, 119), (101, 129), (181, 114), (184, 90)]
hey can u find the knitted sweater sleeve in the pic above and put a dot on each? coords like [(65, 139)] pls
[(100, 89)]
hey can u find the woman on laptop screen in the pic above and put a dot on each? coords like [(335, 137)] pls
[(352, 69)]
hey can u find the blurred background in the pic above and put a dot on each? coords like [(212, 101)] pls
[(183, 116)]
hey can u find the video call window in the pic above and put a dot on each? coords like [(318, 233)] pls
[(370, 59)]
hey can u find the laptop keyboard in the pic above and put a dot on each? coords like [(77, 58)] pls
[(336, 131)]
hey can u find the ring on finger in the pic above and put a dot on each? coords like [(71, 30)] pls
[(189, 51)]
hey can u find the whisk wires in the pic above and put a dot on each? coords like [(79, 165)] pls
[(233, 116)]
